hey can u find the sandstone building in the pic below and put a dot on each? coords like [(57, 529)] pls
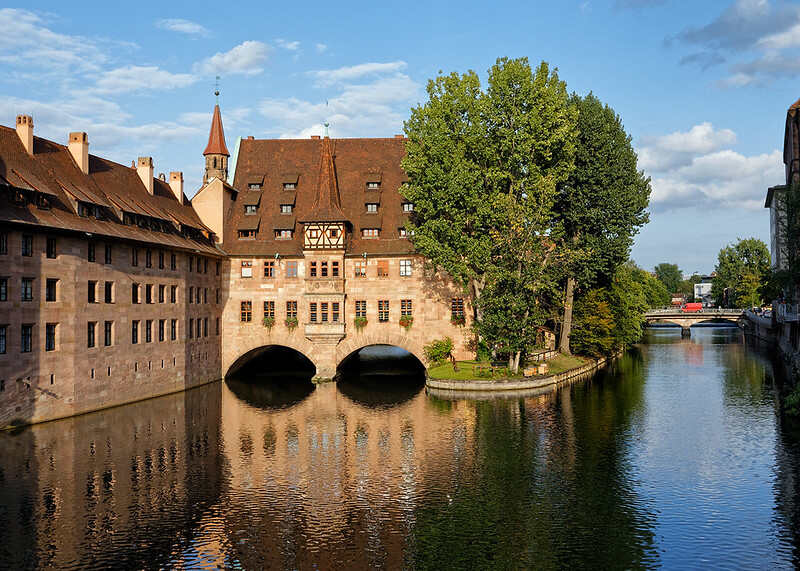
[(115, 287)]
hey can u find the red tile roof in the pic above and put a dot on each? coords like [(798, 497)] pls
[(118, 188), (216, 137), (354, 162)]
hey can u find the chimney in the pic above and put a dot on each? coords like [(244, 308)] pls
[(25, 131), (79, 149), (144, 168), (399, 136), (176, 184)]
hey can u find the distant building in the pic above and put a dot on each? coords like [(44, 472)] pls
[(702, 291)]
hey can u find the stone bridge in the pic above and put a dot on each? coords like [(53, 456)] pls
[(685, 320)]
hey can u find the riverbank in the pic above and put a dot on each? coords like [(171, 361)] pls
[(519, 383)]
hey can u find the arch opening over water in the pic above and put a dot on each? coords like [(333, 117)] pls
[(272, 376), (380, 375)]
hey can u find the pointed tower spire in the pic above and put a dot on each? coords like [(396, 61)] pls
[(327, 204), (216, 152)]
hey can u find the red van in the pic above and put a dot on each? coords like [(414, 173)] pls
[(692, 307)]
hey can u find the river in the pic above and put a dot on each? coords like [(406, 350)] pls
[(675, 457)]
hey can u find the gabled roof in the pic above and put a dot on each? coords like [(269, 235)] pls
[(327, 205), (216, 137)]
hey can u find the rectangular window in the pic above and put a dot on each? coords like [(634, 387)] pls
[(361, 308), (324, 269), (323, 311), (27, 289), (134, 257), (190, 329), (216, 325), (148, 293), (313, 270), (91, 328), (335, 269), (173, 329), (370, 232), (360, 268), (162, 325), (191, 294), (148, 258), (286, 208), (205, 295), (50, 337), (27, 338), (3, 337), (205, 265), (373, 185), (269, 269), (312, 232), (50, 289), (247, 311), (205, 327), (383, 268), (191, 264), (372, 207), (148, 331), (135, 293), (27, 245), (3, 289), (173, 293), (247, 234), (383, 310), (291, 269), (108, 254), (109, 292), (3, 243), (91, 255), (408, 207), (312, 312), (269, 309), (247, 269), (160, 260), (289, 186), (161, 291), (51, 247), (218, 264), (199, 324), (173, 263), (198, 291), (406, 307), (291, 309), (283, 234), (250, 209), (254, 186), (108, 333), (134, 332), (335, 312), (456, 309)]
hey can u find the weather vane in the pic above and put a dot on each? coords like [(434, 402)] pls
[(216, 89)]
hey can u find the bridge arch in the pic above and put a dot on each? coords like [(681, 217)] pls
[(303, 349), (354, 344)]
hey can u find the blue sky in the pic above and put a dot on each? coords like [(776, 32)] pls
[(702, 87)]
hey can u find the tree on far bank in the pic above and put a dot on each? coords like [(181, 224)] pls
[(743, 272), (601, 206), (670, 275)]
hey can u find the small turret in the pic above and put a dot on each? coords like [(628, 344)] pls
[(216, 153)]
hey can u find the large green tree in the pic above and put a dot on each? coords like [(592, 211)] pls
[(742, 272), (482, 172), (670, 275), (600, 207)]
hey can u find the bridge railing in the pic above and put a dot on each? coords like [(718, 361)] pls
[(704, 311), (786, 312)]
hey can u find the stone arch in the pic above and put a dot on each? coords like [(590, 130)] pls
[(243, 353), (357, 342)]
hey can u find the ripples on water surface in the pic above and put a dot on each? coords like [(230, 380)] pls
[(675, 457)]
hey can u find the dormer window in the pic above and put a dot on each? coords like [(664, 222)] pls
[(250, 209), (372, 207), (370, 232), (289, 186), (313, 232), (373, 185), (247, 234), (283, 234), (408, 207), (254, 186), (286, 208)]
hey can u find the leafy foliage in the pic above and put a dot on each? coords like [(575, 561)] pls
[(743, 271), (360, 322), (594, 325), (670, 275), (291, 322), (439, 351), (269, 322)]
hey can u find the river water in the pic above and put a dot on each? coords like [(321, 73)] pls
[(673, 457)]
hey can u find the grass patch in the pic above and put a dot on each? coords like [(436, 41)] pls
[(466, 369)]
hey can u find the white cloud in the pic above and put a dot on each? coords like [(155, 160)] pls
[(139, 78), (182, 26), (781, 40), (695, 168), (377, 108), (292, 46), (327, 77), (247, 58), (321, 48)]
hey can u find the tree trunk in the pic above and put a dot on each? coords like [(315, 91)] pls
[(477, 287), (511, 361), (566, 326), (453, 361), (516, 361)]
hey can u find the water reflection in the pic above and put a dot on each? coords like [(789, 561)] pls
[(674, 457)]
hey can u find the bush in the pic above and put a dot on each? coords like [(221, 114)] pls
[(439, 351), (360, 322), (482, 352)]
